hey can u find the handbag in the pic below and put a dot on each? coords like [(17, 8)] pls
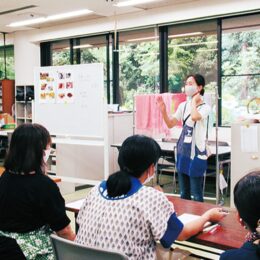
[(19, 95), (29, 94)]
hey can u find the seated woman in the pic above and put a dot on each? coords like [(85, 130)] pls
[(247, 201), (31, 205), (121, 214)]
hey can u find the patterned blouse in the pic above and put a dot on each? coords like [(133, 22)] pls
[(129, 224)]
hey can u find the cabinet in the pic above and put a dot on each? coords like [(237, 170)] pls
[(243, 160), (24, 96), (51, 163), (6, 96), (85, 161)]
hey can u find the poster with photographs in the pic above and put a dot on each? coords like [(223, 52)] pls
[(47, 88), (65, 87)]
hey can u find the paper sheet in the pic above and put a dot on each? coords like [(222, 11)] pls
[(249, 139), (186, 218)]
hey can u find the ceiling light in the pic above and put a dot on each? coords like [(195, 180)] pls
[(50, 18), (143, 39), (82, 46), (133, 2), (185, 34), (79, 46)]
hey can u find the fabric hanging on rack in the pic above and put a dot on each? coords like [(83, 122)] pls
[(148, 118)]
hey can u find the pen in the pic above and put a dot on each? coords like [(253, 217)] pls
[(214, 230), (209, 228)]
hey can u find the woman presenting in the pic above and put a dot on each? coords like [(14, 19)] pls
[(191, 146)]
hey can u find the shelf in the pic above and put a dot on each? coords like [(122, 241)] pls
[(23, 108), (23, 102)]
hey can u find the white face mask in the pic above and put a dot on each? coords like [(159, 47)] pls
[(148, 179), (190, 90), (46, 155)]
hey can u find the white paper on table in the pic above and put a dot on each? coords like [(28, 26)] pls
[(249, 139), (222, 183), (186, 218)]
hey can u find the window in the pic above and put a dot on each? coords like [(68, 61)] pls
[(9, 50), (138, 64), (60, 53), (93, 50), (240, 65), (192, 48)]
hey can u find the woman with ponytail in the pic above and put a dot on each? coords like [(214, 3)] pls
[(247, 201), (124, 215)]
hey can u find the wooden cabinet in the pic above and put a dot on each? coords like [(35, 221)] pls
[(6, 96)]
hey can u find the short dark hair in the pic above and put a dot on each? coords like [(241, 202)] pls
[(200, 81), (26, 150), (136, 155), (247, 198)]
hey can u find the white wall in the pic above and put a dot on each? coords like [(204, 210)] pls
[(27, 56)]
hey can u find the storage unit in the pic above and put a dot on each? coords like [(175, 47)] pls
[(23, 104), (6, 96), (245, 152), (71, 158)]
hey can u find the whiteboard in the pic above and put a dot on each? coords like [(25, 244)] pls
[(69, 100)]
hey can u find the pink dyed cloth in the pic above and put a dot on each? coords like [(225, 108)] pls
[(148, 118)]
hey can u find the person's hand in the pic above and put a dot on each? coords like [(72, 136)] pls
[(161, 104), (215, 214), (196, 99)]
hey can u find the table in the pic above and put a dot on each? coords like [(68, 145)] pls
[(231, 235), (224, 150), (168, 148)]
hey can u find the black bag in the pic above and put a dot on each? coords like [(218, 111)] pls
[(19, 95), (29, 94)]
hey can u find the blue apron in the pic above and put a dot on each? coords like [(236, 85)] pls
[(196, 166)]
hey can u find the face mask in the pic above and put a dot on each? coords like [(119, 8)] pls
[(46, 155), (190, 90), (149, 178)]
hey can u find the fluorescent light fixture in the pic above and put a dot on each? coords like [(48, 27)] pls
[(79, 46), (143, 39), (50, 18), (82, 46), (133, 2), (185, 34)]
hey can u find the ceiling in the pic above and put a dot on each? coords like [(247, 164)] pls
[(17, 10)]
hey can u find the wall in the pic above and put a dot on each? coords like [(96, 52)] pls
[(27, 56)]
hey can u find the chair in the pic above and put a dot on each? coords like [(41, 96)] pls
[(68, 250), (167, 164)]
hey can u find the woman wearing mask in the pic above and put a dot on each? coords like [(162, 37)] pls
[(191, 147), (31, 205), (124, 215)]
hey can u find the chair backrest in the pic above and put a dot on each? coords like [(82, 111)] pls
[(68, 250)]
